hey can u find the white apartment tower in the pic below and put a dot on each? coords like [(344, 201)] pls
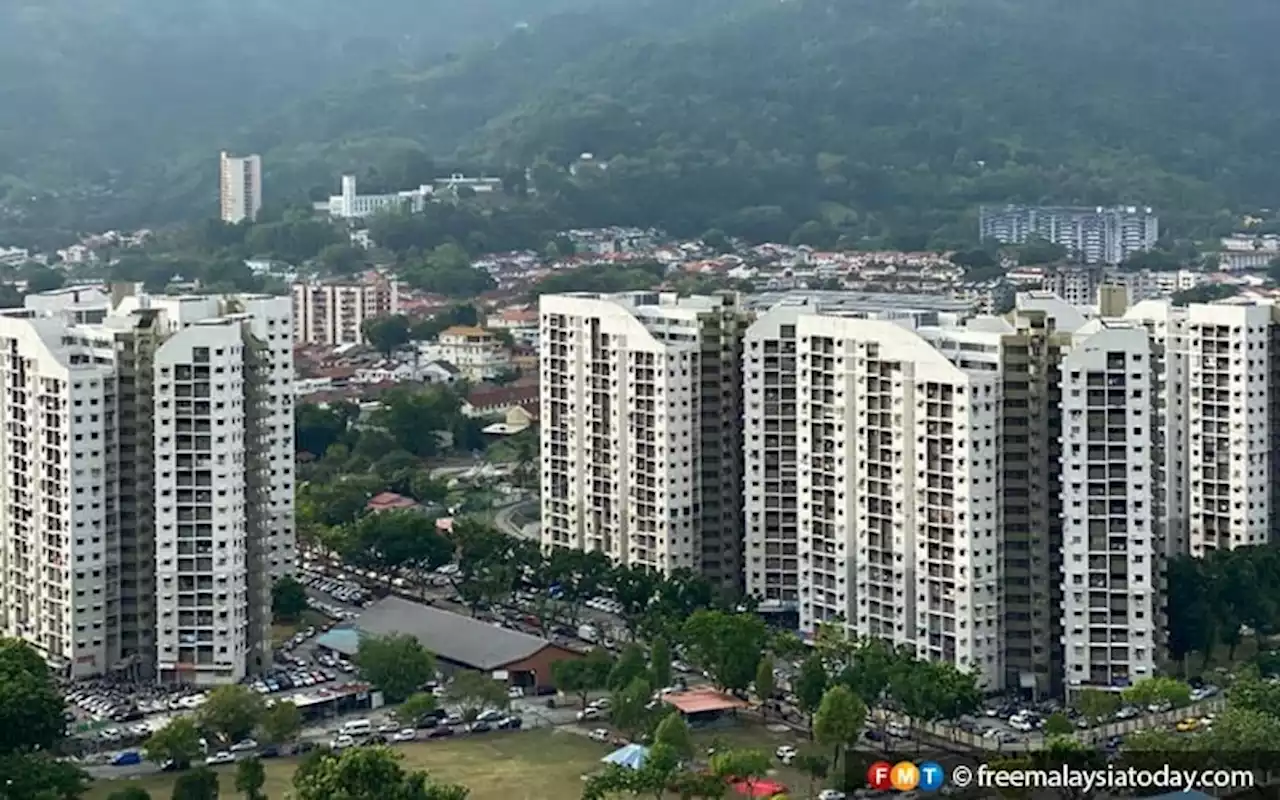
[(1215, 364), (770, 510), (898, 483), (58, 550), (165, 468), (641, 444), (239, 187), (333, 313), (1112, 569), (770, 437)]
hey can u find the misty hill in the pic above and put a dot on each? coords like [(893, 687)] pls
[(873, 121), (97, 90)]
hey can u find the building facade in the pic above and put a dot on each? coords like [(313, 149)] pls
[(333, 313), (641, 440), (770, 417), (476, 353), (898, 492), (1112, 559), (239, 187), (162, 488), (350, 204), (1100, 235)]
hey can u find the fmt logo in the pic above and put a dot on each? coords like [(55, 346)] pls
[(905, 776)]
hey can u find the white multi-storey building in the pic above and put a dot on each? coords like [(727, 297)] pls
[(477, 353), (239, 187), (152, 453), (333, 313), (641, 444), (1214, 467), (350, 204), (1093, 235), (898, 483), (770, 417), (1112, 569), (56, 549)]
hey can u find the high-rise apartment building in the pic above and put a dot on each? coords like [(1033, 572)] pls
[(1100, 235), (1216, 363), (333, 313), (898, 491), (771, 458), (239, 187), (1112, 558), (149, 460), (641, 436)]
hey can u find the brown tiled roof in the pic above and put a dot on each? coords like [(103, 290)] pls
[(389, 500), (497, 397)]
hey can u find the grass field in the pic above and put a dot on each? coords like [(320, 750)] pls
[(533, 765)]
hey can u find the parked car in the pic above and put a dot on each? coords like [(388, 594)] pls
[(221, 757)]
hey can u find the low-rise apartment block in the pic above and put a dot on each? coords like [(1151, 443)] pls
[(333, 313)]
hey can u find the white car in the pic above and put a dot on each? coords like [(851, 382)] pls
[(588, 713), (786, 753), (405, 735), (342, 742), (244, 745), (221, 757), (515, 693), (599, 735), (831, 794)]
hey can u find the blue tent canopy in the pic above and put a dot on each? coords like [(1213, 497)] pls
[(632, 756)]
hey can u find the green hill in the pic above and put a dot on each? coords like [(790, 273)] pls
[(107, 105), (867, 121)]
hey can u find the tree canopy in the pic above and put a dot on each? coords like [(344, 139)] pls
[(367, 773), (397, 664), (31, 727)]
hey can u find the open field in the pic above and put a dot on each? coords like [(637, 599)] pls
[(532, 765)]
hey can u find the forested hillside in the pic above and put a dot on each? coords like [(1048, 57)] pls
[(863, 121), (892, 120), (104, 98)]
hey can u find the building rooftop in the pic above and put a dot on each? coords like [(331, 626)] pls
[(502, 396), (452, 637), (697, 701), (464, 330), (835, 302), (387, 501)]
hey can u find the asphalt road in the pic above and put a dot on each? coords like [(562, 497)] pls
[(505, 520)]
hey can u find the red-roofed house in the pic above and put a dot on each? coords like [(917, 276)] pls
[(495, 401), (390, 501)]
